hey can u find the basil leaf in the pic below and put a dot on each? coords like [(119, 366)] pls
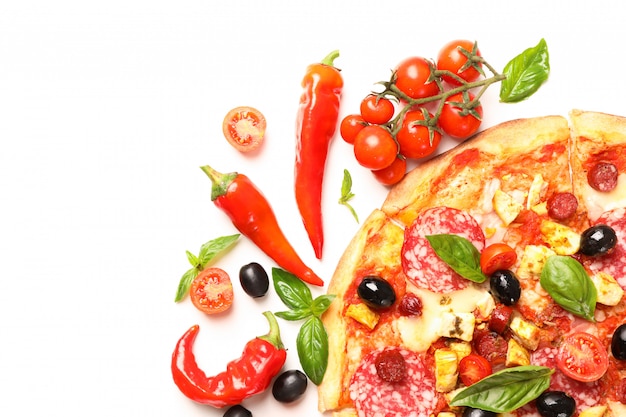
[(294, 293), (213, 247), (321, 304), (347, 194), (294, 315), (506, 390), (460, 254), (567, 282), (312, 346), (525, 73), (193, 259), (185, 283)]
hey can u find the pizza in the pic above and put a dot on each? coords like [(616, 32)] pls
[(504, 255)]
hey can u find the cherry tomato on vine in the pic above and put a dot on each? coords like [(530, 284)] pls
[(350, 126), (582, 356), (473, 368), (377, 110), (497, 256), (212, 291), (244, 128), (451, 59), (415, 140), (393, 173), (456, 124), (375, 148), (412, 77)]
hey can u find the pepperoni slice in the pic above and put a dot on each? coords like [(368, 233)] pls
[(603, 176), (562, 206), (420, 262), (413, 396), (613, 263)]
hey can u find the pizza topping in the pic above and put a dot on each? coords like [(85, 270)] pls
[(562, 206), (603, 176), (500, 318), (411, 305), (363, 314), (497, 256), (376, 292), (562, 239), (506, 207), (608, 289), (491, 346), (525, 332), (391, 366), (618, 343), (582, 357), (505, 287), (459, 254), (597, 240), (473, 368), (614, 262), (556, 404), (446, 369), (516, 354)]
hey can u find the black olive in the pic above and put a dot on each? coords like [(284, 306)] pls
[(477, 412), (505, 287), (597, 240), (254, 280), (376, 292), (556, 404), (237, 411), (289, 386), (618, 343)]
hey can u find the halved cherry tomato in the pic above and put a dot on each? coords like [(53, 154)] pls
[(244, 128), (393, 173), (497, 256), (412, 77), (451, 59), (350, 126), (212, 291), (415, 139), (582, 357), (377, 110), (500, 318), (375, 148), (473, 368), (454, 122)]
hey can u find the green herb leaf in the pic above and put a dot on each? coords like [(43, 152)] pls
[(208, 252), (506, 390), (460, 254), (525, 73), (312, 346), (567, 282), (321, 304), (294, 293), (346, 193), (294, 315)]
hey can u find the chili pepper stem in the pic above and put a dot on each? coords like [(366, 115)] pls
[(330, 58), (273, 336), (220, 181)]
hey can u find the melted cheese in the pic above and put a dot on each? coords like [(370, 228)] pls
[(443, 315), (598, 202)]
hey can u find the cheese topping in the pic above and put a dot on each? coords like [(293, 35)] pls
[(598, 202)]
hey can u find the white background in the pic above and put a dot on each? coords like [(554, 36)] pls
[(107, 109)]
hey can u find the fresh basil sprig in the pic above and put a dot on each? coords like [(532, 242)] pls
[(312, 339), (525, 73), (567, 282), (460, 254), (207, 253), (347, 194), (505, 390)]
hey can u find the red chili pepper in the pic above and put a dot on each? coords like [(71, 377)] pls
[(253, 216), (261, 360), (316, 123)]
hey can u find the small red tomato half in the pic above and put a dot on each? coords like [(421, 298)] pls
[(375, 148), (473, 368), (497, 256), (244, 128), (377, 110), (393, 173), (451, 59), (415, 140), (457, 124), (350, 126), (212, 291), (582, 357), (412, 78)]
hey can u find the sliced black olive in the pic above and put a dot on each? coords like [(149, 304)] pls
[(556, 404), (237, 411), (597, 240), (376, 292), (618, 343), (477, 412), (289, 386), (254, 280), (505, 287)]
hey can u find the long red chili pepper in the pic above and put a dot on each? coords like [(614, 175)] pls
[(316, 123), (253, 216), (261, 360)]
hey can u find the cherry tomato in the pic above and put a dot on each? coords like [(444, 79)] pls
[(459, 125), (473, 368), (350, 126), (375, 148), (212, 291), (377, 110), (415, 139), (582, 356), (451, 59), (412, 77), (393, 173), (500, 318), (244, 128), (497, 256)]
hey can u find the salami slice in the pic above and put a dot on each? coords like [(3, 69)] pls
[(420, 262), (413, 396), (614, 263)]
